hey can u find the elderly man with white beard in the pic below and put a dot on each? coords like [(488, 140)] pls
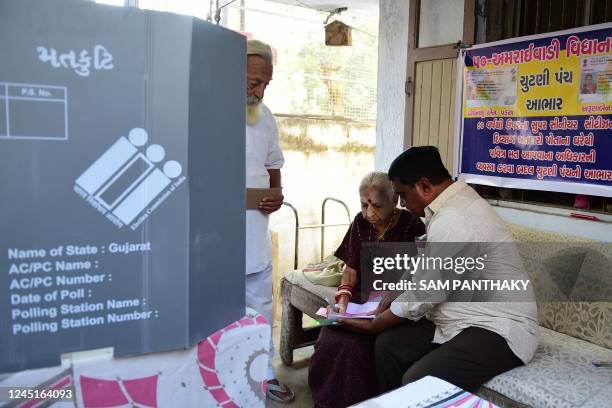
[(264, 160)]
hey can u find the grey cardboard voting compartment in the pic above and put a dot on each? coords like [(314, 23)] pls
[(122, 175)]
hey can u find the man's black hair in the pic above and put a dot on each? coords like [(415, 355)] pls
[(418, 162)]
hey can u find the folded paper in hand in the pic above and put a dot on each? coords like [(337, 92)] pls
[(255, 195)]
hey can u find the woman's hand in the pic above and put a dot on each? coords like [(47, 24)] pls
[(338, 308), (342, 304)]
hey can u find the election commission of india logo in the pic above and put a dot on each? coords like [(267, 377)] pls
[(129, 180)]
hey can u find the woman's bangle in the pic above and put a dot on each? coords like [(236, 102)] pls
[(341, 301), (348, 287), (343, 292)]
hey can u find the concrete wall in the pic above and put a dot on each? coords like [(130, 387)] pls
[(392, 48), (313, 135)]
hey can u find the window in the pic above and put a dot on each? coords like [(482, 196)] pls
[(440, 22)]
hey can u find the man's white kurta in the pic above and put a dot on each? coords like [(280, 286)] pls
[(262, 154), (460, 215)]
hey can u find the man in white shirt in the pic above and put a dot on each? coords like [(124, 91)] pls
[(264, 160), (464, 343)]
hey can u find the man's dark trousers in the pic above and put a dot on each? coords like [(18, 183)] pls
[(405, 353)]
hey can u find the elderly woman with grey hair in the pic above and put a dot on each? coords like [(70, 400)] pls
[(342, 370)]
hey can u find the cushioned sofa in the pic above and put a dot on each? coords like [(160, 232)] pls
[(573, 334)]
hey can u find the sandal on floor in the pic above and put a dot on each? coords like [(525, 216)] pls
[(271, 388)]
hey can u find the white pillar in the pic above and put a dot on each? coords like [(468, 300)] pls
[(392, 48)]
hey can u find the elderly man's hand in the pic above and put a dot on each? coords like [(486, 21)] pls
[(270, 204)]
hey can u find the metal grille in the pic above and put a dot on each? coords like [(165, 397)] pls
[(311, 78)]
